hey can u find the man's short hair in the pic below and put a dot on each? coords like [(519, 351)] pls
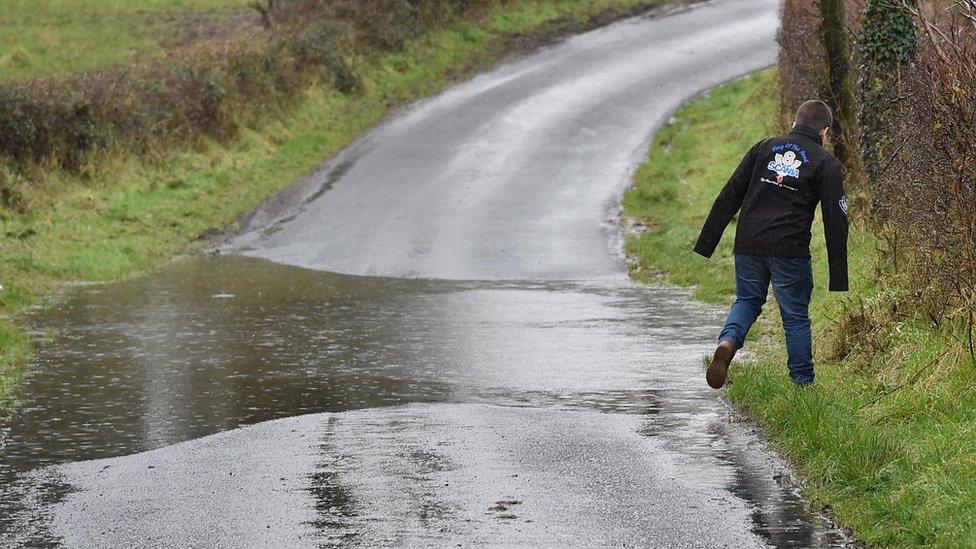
[(814, 114)]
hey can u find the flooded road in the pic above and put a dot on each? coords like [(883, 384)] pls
[(209, 344), (430, 342), (426, 381)]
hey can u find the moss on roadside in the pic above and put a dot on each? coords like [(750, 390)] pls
[(887, 436)]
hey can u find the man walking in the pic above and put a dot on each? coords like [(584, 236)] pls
[(777, 187)]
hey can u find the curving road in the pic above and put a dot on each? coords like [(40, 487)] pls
[(517, 173), (443, 350)]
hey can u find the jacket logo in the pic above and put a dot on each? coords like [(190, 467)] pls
[(785, 164)]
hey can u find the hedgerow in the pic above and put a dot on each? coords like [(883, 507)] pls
[(913, 181), (210, 88)]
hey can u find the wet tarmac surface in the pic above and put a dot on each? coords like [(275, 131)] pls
[(494, 380), (442, 374), (208, 344)]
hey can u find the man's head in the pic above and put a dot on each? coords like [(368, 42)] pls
[(815, 114)]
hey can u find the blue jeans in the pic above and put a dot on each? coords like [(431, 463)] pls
[(792, 280)]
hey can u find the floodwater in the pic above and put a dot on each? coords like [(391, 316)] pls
[(209, 344)]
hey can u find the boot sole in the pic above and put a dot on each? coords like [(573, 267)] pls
[(718, 369)]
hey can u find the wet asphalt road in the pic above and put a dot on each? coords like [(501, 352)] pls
[(493, 378)]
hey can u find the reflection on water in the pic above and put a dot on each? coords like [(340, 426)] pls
[(209, 344), (333, 502)]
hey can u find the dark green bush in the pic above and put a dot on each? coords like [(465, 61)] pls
[(319, 47), (887, 44), (383, 24)]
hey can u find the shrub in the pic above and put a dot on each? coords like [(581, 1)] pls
[(927, 188), (319, 47), (917, 112)]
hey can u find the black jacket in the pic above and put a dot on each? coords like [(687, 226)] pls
[(778, 185)]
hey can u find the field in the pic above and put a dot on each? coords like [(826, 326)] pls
[(51, 37)]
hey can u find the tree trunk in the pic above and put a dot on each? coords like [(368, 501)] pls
[(837, 51)]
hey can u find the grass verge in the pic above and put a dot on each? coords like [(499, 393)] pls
[(886, 439), (130, 215), (50, 37)]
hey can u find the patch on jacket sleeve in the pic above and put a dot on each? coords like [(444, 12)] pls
[(843, 204)]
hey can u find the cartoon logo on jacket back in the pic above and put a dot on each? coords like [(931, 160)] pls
[(785, 164)]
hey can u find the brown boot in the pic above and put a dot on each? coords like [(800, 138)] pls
[(719, 367)]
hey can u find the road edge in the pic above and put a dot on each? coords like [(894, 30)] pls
[(742, 420)]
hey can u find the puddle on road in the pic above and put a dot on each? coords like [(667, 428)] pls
[(209, 344)]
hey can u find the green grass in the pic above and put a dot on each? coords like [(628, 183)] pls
[(41, 38), (887, 436), (48, 37), (126, 216)]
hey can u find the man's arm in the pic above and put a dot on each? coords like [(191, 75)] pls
[(727, 204), (833, 205)]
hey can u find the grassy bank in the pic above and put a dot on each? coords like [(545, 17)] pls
[(127, 215), (887, 437), (49, 37)]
